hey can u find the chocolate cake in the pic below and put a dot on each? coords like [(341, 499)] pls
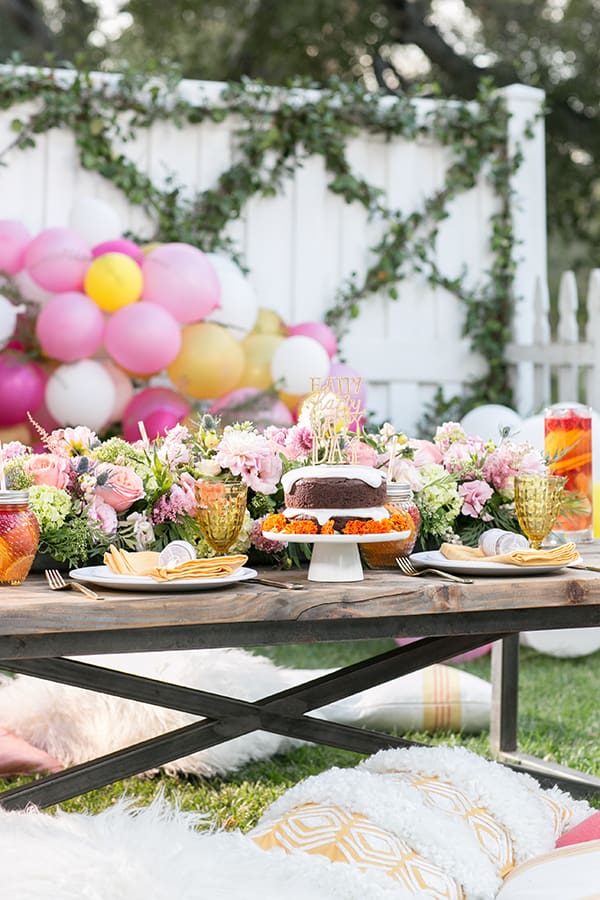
[(339, 492)]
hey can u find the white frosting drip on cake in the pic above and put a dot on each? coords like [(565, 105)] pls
[(323, 515), (368, 474)]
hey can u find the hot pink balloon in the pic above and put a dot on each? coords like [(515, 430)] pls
[(182, 280), (124, 389), (21, 388), (142, 337), (57, 260), (250, 403), (70, 327), (14, 240), (119, 245), (319, 331), (154, 406)]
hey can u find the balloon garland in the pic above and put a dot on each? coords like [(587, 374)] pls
[(104, 320)]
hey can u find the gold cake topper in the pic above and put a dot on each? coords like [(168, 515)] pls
[(334, 417)]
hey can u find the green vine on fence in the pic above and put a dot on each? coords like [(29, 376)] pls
[(276, 129)]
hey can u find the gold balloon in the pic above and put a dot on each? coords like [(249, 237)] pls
[(18, 432), (258, 350), (209, 363), (269, 322), (292, 401)]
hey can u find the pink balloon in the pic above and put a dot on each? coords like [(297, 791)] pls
[(142, 337), (14, 240), (119, 245), (21, 388), (124, 389), (181, 279), (57, 259), (160, 421), (70, 327), (154, 406), (249, 403), (319, 331)]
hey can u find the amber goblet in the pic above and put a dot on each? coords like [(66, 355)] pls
[(220, 513), (538, 499)]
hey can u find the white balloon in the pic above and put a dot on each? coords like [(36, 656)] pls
[(563, 642), (487, 421), (8, 320), (95, 220), (29, 290), (238, 307), (531, 430), (81, 393), (296, 361)]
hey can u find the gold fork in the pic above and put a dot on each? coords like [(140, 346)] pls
[(409, 569), (57, 583)]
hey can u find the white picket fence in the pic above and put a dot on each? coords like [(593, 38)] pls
[(564, 366), (301, 245)]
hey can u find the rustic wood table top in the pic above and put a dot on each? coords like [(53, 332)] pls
[(36, 621)]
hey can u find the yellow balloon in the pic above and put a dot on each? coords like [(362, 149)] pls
[(259, 350), (113, 280), (269, 322), (148, 248), (209, 363), (292, 401)]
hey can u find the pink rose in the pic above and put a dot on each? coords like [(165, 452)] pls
[(363, 453), (104, 515), (426, 452), (49, 468), (475, 495), (123, 486)]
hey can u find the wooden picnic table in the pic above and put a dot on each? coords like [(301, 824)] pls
[(39, 628)]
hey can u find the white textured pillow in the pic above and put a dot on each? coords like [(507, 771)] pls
[(571, 873)]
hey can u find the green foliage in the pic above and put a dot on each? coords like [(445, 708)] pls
[(277, 129)]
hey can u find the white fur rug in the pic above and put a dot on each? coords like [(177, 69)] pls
[(156, 854), (74, 725)]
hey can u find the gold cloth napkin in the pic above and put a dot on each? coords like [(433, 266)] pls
[(556, 556), (145, 562)]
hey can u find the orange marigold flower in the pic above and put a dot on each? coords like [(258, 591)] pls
[(274, 522), (328, 527), (402, 521), (301, 526)]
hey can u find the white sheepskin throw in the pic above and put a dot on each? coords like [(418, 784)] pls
[(155, 854), (137, 854), (74, 725)]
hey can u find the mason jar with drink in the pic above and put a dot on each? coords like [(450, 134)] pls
[(568, 448)]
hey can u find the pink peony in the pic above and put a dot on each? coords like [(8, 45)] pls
[(123, 487), (474, 495), (49, 468), (249, 454), (426, 452)]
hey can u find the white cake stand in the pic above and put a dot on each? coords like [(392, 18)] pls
[(335, 557)]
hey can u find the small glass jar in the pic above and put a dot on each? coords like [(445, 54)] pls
[(382, 555), (19, 536)]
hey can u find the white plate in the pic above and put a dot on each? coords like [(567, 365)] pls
[(336, 538), (474, 567), (104, 577)]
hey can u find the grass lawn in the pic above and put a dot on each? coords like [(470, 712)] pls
[(559, 719)]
